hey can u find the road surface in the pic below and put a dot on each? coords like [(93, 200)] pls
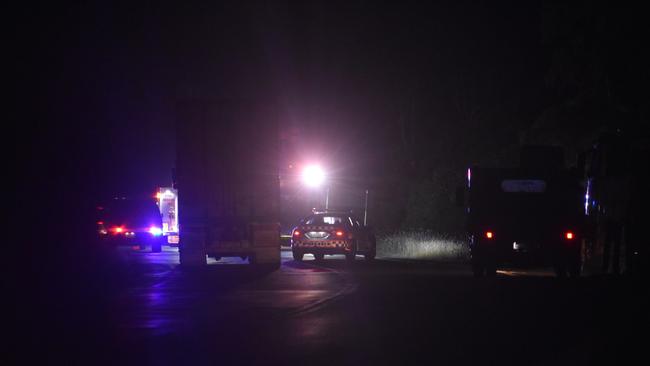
[(386, 312)]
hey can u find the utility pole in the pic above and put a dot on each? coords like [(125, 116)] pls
[(365, 211)]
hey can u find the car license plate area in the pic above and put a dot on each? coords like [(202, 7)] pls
[(320, 244)]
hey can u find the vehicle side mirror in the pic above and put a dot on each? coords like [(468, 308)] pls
[(460, 196)]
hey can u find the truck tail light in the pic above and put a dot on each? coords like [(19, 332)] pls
[(489, 234)]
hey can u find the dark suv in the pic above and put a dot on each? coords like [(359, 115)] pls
[(131, 222), (331, 232)]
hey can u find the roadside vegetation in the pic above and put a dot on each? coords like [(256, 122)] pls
[(414, 244)]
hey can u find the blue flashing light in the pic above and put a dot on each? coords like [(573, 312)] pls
[(155, 231)]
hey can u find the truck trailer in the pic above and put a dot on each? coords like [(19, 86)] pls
[(227, 177)]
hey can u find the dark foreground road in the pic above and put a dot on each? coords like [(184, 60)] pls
[(332, 313)]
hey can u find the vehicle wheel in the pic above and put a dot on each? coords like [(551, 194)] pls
[(490, 270), (574, 265), (351, 256), (560, 269), (297, 256), (478, 269), (319, 257)]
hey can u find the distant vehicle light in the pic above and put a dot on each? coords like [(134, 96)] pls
[(569, 235), (489, 234), (340, 233), (296, 233), (156, 231), (118, 230), (313, 176), (100, 222)]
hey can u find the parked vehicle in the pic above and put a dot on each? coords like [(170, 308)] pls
[(227, 177), (131, 222), (331, 232), (530, 214)]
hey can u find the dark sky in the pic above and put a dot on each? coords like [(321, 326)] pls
[(346, 72)]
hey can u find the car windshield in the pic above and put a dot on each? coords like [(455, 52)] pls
[(135, 213)]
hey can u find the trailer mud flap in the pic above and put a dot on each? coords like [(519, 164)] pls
[(192, 248), (265, 239)]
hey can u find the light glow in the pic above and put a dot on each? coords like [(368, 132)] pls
[(489, 235), (313, 176), (156, 231), (569, 235)]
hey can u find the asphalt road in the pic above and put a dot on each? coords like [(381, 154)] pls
[(386, 312)]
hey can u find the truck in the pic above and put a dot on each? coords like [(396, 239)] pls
[(227, 177), (526, 215), (167, 198)]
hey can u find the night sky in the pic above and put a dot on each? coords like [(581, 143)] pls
[(345, 72), (386, 94)]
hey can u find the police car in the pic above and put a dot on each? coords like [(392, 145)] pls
[(331, 232)]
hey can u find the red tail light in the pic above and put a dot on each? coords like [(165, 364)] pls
[(296, 233), (339, 233), (489, 234), (100, 222), (569, 235), (117, 230)]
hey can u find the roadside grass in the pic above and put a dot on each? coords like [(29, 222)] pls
[(422, 245)]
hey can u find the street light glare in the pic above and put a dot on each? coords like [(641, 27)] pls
[(313, 176)]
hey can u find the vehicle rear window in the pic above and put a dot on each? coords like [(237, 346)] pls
[(328, 220), (523, 186)]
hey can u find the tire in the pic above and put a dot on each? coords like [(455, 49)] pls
[(478, 270), (350, 257), (560, 268), (319, 257), (156, 247), (574, 267), (297, 256), (490, 270)]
